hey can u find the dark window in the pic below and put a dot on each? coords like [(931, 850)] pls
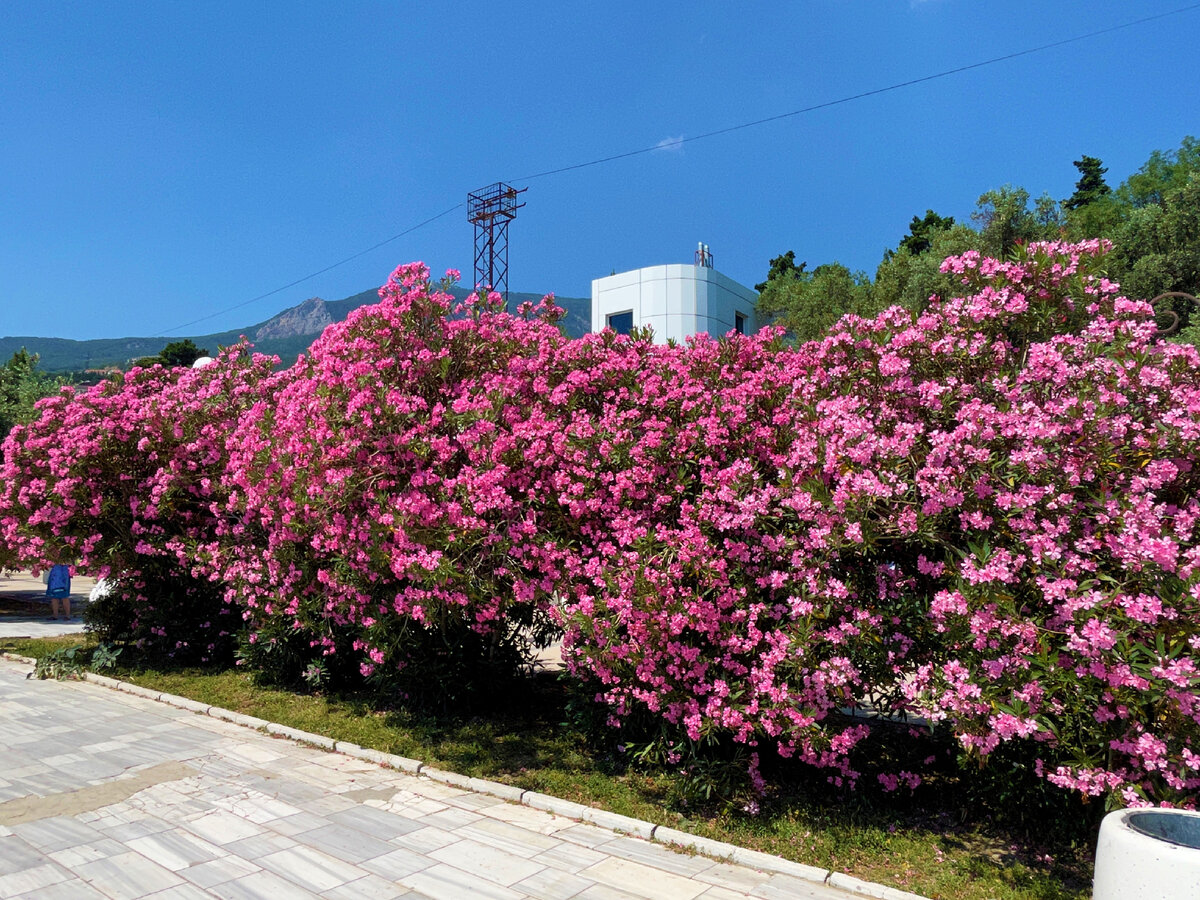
[(739, 323), (621, 323)]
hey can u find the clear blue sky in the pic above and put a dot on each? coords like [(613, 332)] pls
[(162, 161)]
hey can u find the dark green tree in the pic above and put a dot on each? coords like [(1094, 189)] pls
[(177, 354), (922, 231), (783, 266), (1091, 185)]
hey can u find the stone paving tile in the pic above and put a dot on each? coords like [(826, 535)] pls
[(219, 871), (491, 863), (260, 845), (637, 850), (222, 827), (375, 822), (443, 882), (180, 892), (587, 835), (426, 839), (17, 854), (451, 819), (569, 857), (176, 849), (127, 875), (721, 893), (261, 886), (508, 837), (240, 815), (32, 879), (643, 881), (311, 868), (70, 857), (737, 878), (369, 887), (552, 884), (75, 889), (606, 892), (346, 843), (397, 863), (785, 887)]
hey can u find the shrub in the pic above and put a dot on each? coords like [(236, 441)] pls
[(380, 505), (126, 479)]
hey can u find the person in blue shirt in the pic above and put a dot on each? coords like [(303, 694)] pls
[(58, 589)]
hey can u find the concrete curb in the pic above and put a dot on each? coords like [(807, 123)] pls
[(662, 834)]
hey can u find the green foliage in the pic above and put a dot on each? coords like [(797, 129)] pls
[(156, 599), (783, 266), (1158, 248), (177, 354), (1005, 220), (921, 232), (1160, 175), (60, 665), (22, 384), (909, 279), (808, 303), (1091, 185)]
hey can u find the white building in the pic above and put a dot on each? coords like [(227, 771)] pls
[(675, 300)]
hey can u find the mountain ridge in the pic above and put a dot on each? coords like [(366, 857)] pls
[(284, 334)]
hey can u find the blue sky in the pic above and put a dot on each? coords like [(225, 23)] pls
[(160, 161)]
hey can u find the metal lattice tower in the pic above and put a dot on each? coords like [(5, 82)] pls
[(490, 210)]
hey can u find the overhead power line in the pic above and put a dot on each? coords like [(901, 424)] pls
[(863, 94), (290, 284), (945, 73)]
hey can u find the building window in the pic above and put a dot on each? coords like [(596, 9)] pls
[(739, 323), (622, 322)]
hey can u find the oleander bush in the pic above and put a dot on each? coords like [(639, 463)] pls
[(125, 480), (982, 516), (380, 522)]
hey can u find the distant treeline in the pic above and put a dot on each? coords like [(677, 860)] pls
[(1152, 218)]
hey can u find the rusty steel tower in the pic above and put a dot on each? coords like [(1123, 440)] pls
[(490, 209)]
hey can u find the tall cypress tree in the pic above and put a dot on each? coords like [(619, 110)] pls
[(1091, 185)]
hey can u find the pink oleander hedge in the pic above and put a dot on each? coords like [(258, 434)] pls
[(123, 480), (984, 515), (387, 494)]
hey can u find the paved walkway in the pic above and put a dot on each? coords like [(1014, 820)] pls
[(105, 794), (25, 608)]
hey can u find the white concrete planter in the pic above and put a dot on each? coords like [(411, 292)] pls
[(1148, 854)]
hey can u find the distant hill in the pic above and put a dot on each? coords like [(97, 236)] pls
[(285, 335)]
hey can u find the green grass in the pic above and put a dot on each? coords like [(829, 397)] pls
[(923, 845)]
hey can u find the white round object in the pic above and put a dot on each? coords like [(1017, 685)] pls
[(201, 362), (1148, 854)]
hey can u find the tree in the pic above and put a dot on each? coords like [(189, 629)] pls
[(22, 384), (909, 279), (807, 304), (783, 266), (921, 231), (177, 354), (1091, 185), (1161, 174), (1005, 219), (1158, 250)]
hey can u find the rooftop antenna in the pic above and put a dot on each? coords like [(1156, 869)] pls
[(490, 209)]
